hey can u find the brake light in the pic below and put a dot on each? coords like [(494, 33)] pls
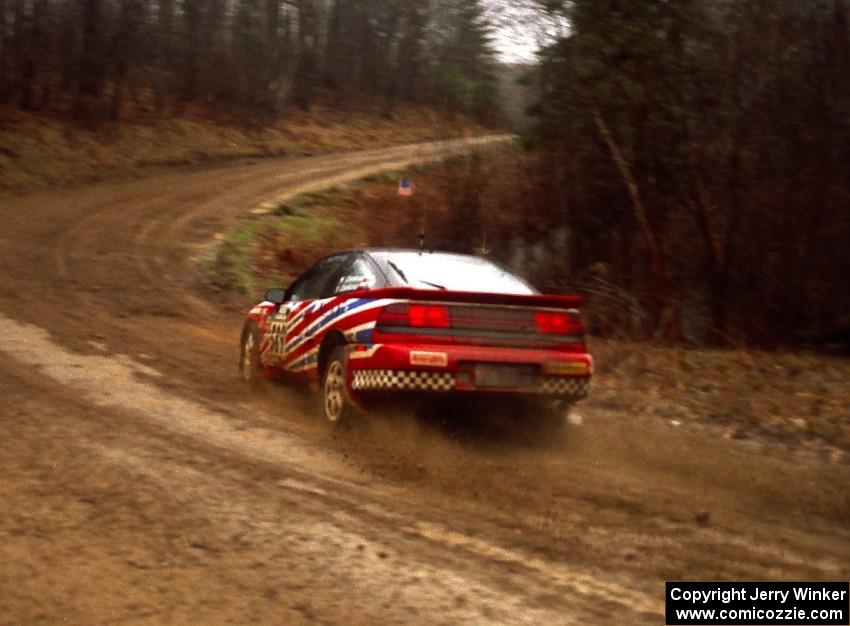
[(428, 316), (415, 316), (554, 323)]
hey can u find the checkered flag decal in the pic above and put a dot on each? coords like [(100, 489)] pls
[(397, 379), (566, 386)]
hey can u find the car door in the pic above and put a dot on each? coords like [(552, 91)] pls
[(288, 340)]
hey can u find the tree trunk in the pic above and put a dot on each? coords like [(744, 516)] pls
[(165, 26), (24, 68), (668, 322), (89, 70), (4, 54), (289, 68), (191, 52)]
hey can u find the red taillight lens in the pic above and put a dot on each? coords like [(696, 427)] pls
[(553, 323), (393, 315), (428, 316), (415, 316)]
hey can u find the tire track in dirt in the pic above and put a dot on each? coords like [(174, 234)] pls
[(113, 382), (158, 234)]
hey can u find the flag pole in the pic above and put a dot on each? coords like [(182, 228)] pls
[(405, 189), (422, 224)]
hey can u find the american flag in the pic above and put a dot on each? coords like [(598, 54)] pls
[(405, 187)]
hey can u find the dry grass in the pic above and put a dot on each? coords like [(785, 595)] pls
[(273, 248), (40, 151), (787, 396)]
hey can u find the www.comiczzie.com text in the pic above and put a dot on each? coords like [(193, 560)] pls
[(813, 603)]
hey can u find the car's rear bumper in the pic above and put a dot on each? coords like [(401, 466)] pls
[(386, 368)]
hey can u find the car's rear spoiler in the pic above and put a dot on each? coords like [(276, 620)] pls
[(475, 297)]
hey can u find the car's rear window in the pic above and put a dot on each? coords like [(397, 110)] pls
[(456, 272)]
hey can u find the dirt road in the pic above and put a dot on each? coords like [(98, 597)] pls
[(141, 483)]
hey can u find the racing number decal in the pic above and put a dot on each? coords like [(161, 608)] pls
[(277, 333)]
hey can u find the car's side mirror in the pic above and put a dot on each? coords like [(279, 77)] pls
[(276, 295)]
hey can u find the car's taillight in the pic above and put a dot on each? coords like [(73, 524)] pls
[(393, 315), (415, 316), (556, 323), (429, 316)]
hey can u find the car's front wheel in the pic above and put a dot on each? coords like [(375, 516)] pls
[(336, 406)]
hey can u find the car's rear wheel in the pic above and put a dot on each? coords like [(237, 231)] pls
[(336, 406), (250, 369)]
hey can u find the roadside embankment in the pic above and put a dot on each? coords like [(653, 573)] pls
[(39, 150)]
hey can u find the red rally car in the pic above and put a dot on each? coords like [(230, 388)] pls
[(364, 324)]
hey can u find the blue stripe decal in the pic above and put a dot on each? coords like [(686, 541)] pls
[(327, 318), (315, 304), (340, 311), (364, 336), (307, 360), (301, 338)]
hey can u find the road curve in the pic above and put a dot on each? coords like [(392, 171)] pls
[(143, 484)]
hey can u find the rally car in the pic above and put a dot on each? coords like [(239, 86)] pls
[(366, 324)]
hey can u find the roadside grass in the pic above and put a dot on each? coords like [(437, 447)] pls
[(325, 197), (261, 250), (794, 397), (230, 266), (39, 150), (276, 243)]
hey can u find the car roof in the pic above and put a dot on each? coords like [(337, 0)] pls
[(387, 250)]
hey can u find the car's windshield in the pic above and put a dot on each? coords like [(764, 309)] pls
[(458, 272)]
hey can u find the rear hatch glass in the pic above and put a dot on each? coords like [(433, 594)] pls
[(453, 272)]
